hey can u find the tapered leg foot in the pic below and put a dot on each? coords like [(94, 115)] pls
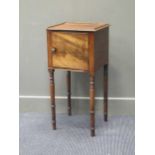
[(69, 92), (93, 132), (92, 106), (105, 117), (52, 93), (105, 82)]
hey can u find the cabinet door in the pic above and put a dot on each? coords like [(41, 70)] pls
[(69, 50)]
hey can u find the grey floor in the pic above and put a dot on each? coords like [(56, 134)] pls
[(72, 137)]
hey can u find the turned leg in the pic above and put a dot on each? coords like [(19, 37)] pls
[(69, 92), (52, 91), (105, 82), (92, 105)]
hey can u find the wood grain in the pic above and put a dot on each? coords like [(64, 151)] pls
[(49, 48), (81, 47), (71, 50), (91, 54), (88, 27)]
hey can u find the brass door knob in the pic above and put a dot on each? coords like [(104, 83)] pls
[(53, 50)]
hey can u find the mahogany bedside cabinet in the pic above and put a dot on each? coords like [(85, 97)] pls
[(81, 47)]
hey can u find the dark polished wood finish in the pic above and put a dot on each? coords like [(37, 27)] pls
[(105, 92), (80, 47), (69, 92), (52, 91), (92, 105), (101, 48)]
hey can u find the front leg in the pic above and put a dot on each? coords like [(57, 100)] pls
[(52, 93)]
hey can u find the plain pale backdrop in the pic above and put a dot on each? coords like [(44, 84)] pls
[(37, 15)]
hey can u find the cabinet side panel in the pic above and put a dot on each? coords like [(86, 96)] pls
[(101, 47)]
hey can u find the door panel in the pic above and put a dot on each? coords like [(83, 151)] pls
[(70, 50)]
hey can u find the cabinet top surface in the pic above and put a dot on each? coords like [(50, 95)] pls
[(67, 26)]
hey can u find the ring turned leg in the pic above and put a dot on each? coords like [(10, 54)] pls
[(105, 82), (92, 105), (52, 91), (69, 92)]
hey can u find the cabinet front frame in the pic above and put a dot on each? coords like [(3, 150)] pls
[(80, 39)]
